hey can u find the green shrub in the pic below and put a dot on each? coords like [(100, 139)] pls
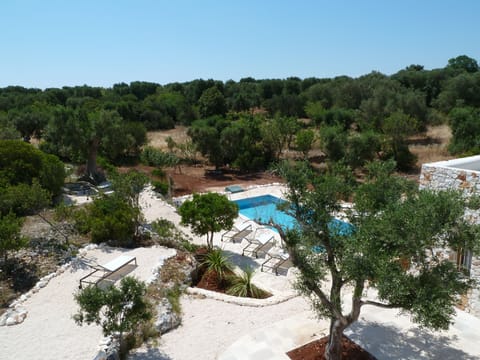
[(159, 172), (154, 157), (108, 219), (118, 310), (173, 296), (170, 236), (23, 199), (216, 261), (160, 187), (63, 212)]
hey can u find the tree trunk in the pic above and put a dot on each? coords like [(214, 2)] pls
[(210, 241), (333, 351), (92, 159)]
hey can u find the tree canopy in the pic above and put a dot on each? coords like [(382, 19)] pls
[(78, 123), (29, 178), (116, 309), (208, 214), (389, 245)]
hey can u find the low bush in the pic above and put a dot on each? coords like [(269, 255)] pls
[(160, 187), (159, 172), (170, 236), (154, 157)]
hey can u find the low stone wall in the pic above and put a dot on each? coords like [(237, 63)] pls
[(440, 177), (454, 174)]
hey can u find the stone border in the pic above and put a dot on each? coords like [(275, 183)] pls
[(16, 313), (273, 300)]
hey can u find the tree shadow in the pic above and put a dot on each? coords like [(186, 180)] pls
[(241, 261), (151, 354), (391, 342), (22, 275)]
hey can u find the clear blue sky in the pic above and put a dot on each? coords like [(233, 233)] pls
[(54, 43)]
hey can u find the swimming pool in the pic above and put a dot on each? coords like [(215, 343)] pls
[(263, 209)]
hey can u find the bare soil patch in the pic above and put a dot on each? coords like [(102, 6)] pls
[(200, 179), (315, 350), (431, 146)]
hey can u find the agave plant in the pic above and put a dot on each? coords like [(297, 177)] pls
[(216, 261), (242, 285)]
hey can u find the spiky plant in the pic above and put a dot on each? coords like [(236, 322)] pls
[(216, 261), (241, 285)]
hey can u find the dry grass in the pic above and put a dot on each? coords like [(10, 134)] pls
[(157, 138), (432, 146)]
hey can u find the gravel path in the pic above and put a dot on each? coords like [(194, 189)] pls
[(210, 326)]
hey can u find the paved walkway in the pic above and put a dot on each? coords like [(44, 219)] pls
[(382, 332), (272, 342)]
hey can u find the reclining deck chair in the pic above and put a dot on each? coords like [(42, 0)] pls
[(238, 232), (276, 260), (102, 272), (259, 242)]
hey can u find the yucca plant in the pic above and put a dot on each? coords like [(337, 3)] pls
[(216, 261), (241, 285)]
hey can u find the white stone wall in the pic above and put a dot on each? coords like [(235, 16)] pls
[(446, 175), (444, 178)]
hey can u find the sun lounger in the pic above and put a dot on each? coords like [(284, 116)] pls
[(238, 232), (234, 189), (259, 242), (276, 260), (102, 272)]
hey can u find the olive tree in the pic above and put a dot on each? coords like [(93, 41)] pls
[(207, 214), (116, 310), (389, 245)]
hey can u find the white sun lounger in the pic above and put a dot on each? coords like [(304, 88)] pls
[(238, 232), (276, 260), (107, 270), (259, 242)]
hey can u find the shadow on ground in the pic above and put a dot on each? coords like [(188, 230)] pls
[(243, 262), (22, 274), (388, 342)]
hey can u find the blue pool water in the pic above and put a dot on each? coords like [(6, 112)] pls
[(264, 209)]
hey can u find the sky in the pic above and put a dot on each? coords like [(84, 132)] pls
[(55, 43)]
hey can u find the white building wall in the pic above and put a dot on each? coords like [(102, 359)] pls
[(461, 174)]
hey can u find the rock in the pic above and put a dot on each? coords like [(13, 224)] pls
[(3, 319), (23, 298), (22, 312), (166, 319), (42, 284), (91, 247), (113, 356), (105, 341), (50, 276), (11, 321), (113, 350), (102, 355)]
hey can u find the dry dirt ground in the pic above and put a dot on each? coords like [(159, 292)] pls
[(432, 146), (428, 147)]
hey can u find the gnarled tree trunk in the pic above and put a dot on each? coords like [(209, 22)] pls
[(92, 159), (333, 351)]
